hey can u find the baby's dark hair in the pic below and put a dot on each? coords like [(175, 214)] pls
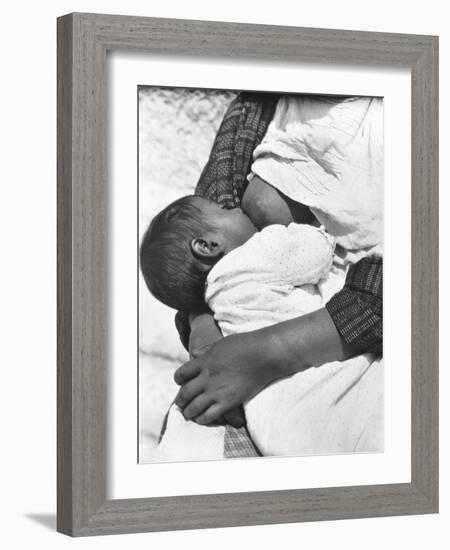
[(172, 273)]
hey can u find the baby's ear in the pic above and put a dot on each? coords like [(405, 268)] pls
[(205, 249)]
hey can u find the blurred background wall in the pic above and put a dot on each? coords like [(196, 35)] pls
[(176, 130)]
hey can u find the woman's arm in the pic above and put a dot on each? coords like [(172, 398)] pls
[(238, 367)]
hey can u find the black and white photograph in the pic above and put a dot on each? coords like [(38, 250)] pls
[(221, 282), (260, 274)]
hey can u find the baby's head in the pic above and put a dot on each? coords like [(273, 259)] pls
[(182, 244)]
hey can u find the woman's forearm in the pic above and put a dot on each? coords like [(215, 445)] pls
[(294, 345), (238, 367)]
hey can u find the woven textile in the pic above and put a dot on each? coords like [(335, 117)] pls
[(244, 125), (357, 310), (238, 443)]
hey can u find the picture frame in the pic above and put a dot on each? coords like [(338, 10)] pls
[(83, 42)]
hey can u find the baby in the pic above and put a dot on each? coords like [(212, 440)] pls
[(196, 253)]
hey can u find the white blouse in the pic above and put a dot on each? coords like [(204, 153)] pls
[(327, 153)]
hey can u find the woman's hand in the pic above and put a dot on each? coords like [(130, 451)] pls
[(229, 373)]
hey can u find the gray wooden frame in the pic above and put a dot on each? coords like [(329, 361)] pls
[(83, 40)]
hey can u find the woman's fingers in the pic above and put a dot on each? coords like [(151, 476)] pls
[(211, 414), (188, 392), (197, 406), (186, 372)]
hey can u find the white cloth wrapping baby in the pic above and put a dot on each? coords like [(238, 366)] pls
[(271, 278)]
